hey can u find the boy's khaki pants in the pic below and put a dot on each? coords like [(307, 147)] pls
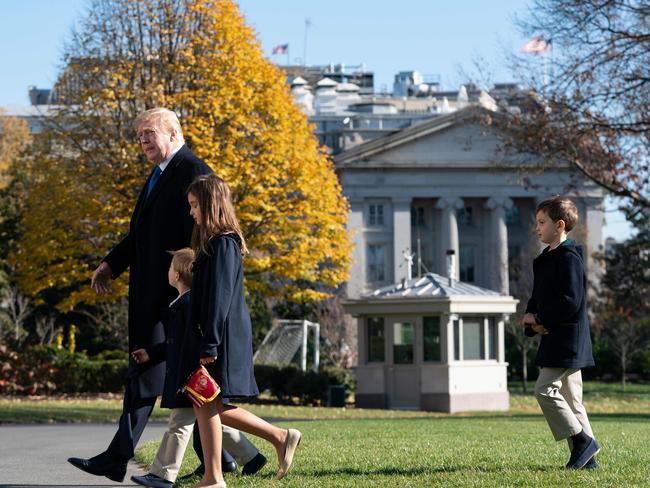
[(174, 442), (559, 393)]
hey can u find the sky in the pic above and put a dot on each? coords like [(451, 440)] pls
[(436, 37)]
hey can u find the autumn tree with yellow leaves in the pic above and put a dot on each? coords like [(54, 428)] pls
[(199, 58), (14, 140)]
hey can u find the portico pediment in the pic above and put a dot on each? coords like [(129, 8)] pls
[(456, 139)]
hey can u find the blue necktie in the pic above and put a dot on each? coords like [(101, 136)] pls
[(153, 180)]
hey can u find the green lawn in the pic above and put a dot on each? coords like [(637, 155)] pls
[(450, 451), (377, 448)]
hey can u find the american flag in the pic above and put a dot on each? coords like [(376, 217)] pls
[(280, 49), (537, 45)]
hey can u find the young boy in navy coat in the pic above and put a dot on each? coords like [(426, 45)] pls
[(557, 310)]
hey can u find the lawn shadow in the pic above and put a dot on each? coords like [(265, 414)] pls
[(388, 471), (478, 416), (613, 416), (419, 471)]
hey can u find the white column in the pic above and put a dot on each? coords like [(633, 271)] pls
[(447, 339), (501, 342), (449, 230), (497, 247), (593, 228), (401, 236), (356, 282)]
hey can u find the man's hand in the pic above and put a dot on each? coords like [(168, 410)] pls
[(528, 320), (101, 278), (140, 356), (208, 360), (540, 329)]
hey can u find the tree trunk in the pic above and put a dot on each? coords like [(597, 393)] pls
[(623, 370)]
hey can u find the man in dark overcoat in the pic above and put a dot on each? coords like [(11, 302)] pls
[(160, 222)]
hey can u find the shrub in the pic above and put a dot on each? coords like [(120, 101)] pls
[(41, 370), (289, 383)]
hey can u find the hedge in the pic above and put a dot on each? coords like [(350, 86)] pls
[(43, 370)]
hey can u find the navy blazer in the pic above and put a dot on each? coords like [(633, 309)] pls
[(160, 223), (559, 301), (220, 317)]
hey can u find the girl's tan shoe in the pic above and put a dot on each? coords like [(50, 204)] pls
[(291, 445)]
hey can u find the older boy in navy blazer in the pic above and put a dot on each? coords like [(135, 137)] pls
[(557, 310)]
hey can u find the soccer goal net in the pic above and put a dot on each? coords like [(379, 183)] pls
[(287, 339)]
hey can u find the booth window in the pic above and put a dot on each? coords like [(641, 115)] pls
[(473, 338), (431, 343), (492, 338), (457, 340), (403, 339), (376, 340)]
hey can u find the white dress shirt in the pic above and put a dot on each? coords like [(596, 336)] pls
[(164, 164)]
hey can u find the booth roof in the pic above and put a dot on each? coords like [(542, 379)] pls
[(428, 286)]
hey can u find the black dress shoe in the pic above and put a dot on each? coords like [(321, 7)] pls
[(254, 465), (101, 465), (152, 480), (229, 467)]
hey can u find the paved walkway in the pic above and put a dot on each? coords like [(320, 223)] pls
[(36, 455)]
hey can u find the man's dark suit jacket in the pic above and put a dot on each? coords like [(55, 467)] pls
[(160, 222)]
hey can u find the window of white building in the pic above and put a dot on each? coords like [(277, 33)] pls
[(375, 215), (465, 216), (376, 263), (514, 263), (467, 264), (513, 216), (417, 217)]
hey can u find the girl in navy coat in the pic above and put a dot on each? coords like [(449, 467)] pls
[(557, 310), (220, 318)]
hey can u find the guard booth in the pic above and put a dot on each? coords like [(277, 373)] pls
[(432, 343)]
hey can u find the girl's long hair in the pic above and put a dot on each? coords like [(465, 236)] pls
[(218, 215)]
